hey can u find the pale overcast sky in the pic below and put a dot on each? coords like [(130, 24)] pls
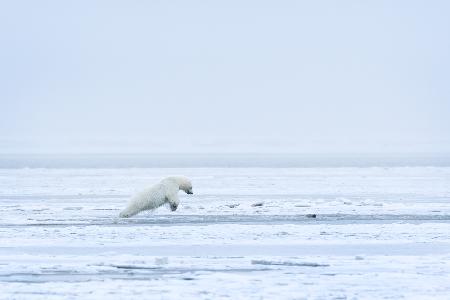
[(199, 76)]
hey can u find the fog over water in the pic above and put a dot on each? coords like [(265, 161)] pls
[(222, 77)]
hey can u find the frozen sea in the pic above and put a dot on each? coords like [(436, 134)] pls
[(381, 228)]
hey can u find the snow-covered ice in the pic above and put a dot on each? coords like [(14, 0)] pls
[(378, 233)]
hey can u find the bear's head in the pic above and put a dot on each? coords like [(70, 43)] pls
[(185, 185)]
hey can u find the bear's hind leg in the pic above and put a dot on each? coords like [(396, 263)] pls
[(128, 212)]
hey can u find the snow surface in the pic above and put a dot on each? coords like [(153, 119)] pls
[(245, 233)]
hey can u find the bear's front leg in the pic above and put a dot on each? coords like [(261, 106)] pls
[(173, 207), (174, 202)]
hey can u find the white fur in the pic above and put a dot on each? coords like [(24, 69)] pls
[(166, 191)]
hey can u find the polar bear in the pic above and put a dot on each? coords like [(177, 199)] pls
[(166, 191)]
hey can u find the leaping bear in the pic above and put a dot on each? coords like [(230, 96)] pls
[(166, 191)]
